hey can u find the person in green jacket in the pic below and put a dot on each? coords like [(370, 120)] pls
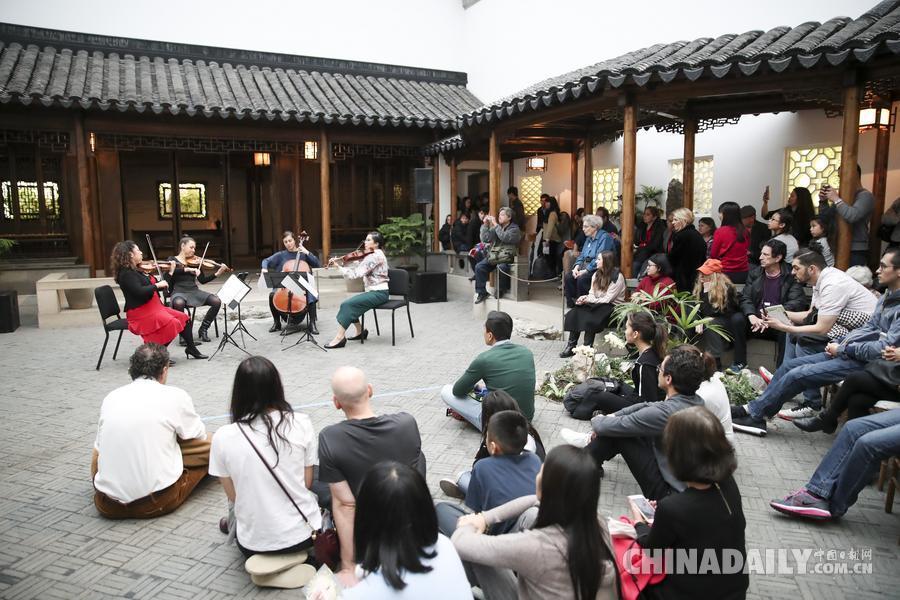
[(504, 366)]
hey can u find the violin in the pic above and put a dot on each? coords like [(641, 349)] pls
[(201, 263), (151, 266), (358, 254)]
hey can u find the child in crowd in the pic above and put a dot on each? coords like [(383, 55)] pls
[(823, 238)]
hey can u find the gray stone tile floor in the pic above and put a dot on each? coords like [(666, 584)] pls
[(53, 544)]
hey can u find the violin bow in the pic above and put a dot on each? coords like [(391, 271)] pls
[(203, 258), (153, 254)]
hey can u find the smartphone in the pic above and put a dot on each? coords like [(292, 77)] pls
[(643, 506)]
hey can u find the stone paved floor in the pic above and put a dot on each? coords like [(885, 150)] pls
[(53, 544)]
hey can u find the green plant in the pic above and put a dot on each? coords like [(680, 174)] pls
[(679, 311), (740, 387), (405, 235), (6, 245), (556, 384), (648, 196)]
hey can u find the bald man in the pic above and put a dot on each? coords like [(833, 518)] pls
[(347, 450)]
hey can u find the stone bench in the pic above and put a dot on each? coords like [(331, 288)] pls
[(68, 302)]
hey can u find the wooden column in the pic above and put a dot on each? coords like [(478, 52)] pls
[(629, 155), (573, 172), (879, 185), (297, 185), (176, 203), (325, 192), (588, 177), (453, 188), (84, 196), (687, 177), (849, 160), (436, 208), (494, 173)]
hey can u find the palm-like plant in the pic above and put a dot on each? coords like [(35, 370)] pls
[(6, 245), (679, 311)]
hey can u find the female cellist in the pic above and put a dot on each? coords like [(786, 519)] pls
[(184, 290), (147, 316), (373, 268), (291, 246)]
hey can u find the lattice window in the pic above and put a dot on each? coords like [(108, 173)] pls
[(605, 183), (812, 168), (28, 200), (192, 198), (703, 182), (530, 190)]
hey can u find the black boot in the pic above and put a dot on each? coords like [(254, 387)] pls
[(568, 350), (311, 318), (202, 333), (275, 327), (191, 350)]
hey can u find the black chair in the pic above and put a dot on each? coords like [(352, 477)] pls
[(109, 307), (192, 310), (398, 285)]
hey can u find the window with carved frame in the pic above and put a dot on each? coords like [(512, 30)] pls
[(191, 196), (27, 199), (605, 184), (530, 190), (703, 182), (812, 167)]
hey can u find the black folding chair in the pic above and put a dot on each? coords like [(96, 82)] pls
[(398, 285), (109, 307)]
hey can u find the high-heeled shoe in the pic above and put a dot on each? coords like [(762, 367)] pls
[(362, 336), (194, 353), (340, 344)]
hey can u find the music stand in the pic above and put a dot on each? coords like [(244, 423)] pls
[(297, 282), (232, 293)]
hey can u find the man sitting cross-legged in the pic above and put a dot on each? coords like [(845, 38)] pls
[(505, 366), (635, 432), (840, 358), (152, 448), (347, 450)]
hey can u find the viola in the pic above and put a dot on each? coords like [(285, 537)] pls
[(151, 266), (198, 263)]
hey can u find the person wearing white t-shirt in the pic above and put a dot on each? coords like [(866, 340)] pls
[(715, 396), (152, 448), (266, 518)]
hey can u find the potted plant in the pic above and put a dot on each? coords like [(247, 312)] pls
[(648, 196), (406, 238)]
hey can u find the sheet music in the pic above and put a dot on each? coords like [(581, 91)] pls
[(292, 286), (233, 291), (261, 284), (309, 285)]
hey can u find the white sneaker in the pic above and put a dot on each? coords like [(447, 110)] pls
[(575, 438), (800, 412)]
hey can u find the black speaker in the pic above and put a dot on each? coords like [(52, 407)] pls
[(428, 286), (9, 311), (424, 185)]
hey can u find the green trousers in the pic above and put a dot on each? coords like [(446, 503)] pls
[(353, 308)]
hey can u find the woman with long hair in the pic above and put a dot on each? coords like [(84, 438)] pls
[(800, 205), (398, 546), (566, 553), (707, 518), (146, 314), (550, 231), (592, 310), (707, 229), (649, 339), (373, 270), (267, 443), (731, 242), (186, 293), (718, 300)]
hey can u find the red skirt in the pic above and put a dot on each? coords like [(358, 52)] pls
[(155, 322)]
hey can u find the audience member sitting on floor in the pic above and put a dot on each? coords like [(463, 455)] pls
[(824, 238), (347, 451), (840, 359), (504, 366), (503, 235), (592, 311), (707, 518), (759, 232), (780, 224), (687, 250), (635, 432), (707, 228), (492, 403), (649, 339), (401, 553), (718, 301), (769, 284), (648, 239), (657, 280), (506, 474), (151, 449), (730, 243), (859, 393), (849, 466), (577, 281), (264, 460), (715, 395), (565, 554), (839, 304)]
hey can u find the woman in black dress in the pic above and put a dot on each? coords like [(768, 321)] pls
[(593, 310), (184, 290)]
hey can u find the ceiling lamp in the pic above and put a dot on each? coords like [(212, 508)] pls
[(262, 159), (873, 117), (310, 150), (536, 163)]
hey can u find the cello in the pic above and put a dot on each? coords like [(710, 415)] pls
[(284, 300)]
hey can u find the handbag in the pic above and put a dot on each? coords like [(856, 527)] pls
[(885, 371), (326, 544), (502, 254)]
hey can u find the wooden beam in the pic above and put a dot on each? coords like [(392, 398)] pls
[(325, 192), (879, 185), (629, 156), (453, 188), (297, 185), (573, 173), (849, 160), (494, 173), (588, 177), (436, 208), (84, 197), (687, 176)]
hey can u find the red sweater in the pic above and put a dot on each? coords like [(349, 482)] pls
[(729, 250), (648, 284)]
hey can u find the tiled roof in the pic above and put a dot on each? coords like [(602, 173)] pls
[(57, 68), (805, 46)]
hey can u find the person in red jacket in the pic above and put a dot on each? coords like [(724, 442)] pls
[(657, 279), (731, 242)]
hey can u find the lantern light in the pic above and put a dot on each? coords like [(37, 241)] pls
[(262, 159), (536, 163), (311, 150)]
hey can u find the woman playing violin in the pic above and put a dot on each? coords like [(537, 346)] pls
[(373, 269), (147, 316), (183, 281), (274, 263)]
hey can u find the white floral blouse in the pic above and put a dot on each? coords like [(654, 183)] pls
[(373, 269)]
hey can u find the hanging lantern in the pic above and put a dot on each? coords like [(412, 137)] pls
[(311, 150), (536, 163), (876, 117)]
